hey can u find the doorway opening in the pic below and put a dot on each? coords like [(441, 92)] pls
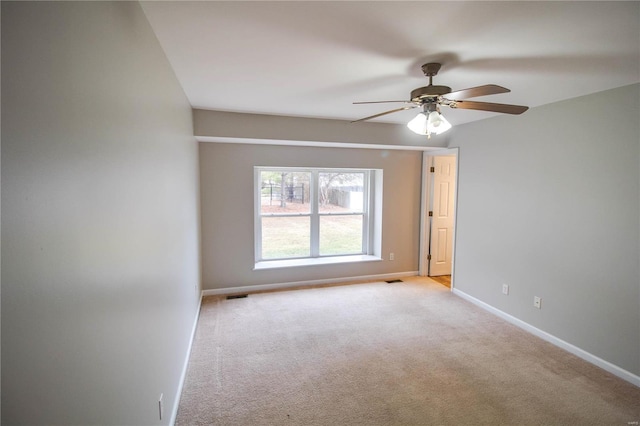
[(445, 280), (438, 215)]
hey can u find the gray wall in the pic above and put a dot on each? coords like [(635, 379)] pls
[(548, 203), (100, 262), (226, 184)]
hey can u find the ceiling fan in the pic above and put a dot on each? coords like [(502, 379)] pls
[(431, 97)]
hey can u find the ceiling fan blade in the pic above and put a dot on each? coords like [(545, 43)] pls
[(487, 89), (383, 113), (382, 102), (487, 106)]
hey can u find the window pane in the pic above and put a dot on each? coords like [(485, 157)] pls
[(284, 191), (284, 237), (340, 192), (340, 235)]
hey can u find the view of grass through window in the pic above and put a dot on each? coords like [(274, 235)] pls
[(284, 237), (294, 203)]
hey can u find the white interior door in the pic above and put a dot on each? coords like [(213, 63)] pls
[(442, 219)]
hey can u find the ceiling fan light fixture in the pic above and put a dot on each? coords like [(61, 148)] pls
[(426, 123)]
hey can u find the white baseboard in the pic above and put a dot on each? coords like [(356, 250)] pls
[(599, 362), (279, 286), (183, 376)]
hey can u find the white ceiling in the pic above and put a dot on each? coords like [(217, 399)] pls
[(313, 59)]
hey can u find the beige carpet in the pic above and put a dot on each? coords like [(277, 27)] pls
[(407, 353)]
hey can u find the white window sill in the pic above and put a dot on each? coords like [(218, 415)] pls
[(290, 263)]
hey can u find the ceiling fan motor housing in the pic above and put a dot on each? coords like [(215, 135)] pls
[(429, 92)]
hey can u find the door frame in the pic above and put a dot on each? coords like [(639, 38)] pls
[(426, 201)]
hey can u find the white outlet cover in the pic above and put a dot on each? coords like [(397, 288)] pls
[(505, 288)]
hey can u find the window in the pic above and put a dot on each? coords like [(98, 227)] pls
[(316, 214)]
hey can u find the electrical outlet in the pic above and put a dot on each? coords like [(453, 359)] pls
[(160, 405), (505, 289), (392, 256), (537, 302)]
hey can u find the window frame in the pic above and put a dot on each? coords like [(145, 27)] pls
[(371, 224)]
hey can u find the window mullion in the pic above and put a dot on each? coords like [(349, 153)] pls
[(315, 218)]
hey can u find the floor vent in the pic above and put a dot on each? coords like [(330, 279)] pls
[(393, 281), (237, 296)]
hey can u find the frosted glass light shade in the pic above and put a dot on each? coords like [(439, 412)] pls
[(437, 123), (418, 124)]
